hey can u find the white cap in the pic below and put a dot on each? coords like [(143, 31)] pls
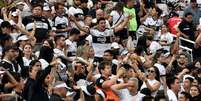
[(62, 85), (187, 76), (23, 38), (115, 45), (46, 8), (78, 11)]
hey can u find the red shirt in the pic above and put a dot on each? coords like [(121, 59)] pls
[(171, 24)]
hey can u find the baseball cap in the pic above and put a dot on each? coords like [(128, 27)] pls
[(22, 38), (61, 85), (115, 45), (46, 8), (6, 24)]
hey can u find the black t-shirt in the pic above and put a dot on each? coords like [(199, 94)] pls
[(187, 28), (42, 27), (9, 66)]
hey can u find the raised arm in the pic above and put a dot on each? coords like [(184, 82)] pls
[(85, 29), (109, 83), (4, 12), (123, 24)]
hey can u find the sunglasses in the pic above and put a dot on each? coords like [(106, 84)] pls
[(151, 71)]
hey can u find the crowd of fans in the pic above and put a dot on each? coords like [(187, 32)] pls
[(100, 50)]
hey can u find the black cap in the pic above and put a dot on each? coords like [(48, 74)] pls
[(6, 24)]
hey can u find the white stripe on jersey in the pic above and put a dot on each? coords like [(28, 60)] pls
[(99, 48), (39, 24)]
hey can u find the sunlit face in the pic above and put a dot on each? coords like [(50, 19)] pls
[(88, 21), (99, 14), (153, 12), (37, 11), (91, 52), (194, 91), (60, 9), (27, 49), (102, 25), (182, 59), (107, 56), (176, 85), (107, 70), (164, 28), (187, 83), (151, 72), (132, 88)]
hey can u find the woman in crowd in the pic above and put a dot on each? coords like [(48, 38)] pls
[(27, 54), (195, 93), (152, 81), (165, 38)]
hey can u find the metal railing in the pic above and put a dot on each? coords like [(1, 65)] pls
[(189, 50)]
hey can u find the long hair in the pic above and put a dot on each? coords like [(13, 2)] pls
[(157, 73), (46, 53)]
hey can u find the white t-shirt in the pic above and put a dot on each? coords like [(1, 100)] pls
[(101, 41), (26, 61), (72, 48), (58, 52), (168, 38), (61, 22), (154, 47), (124, 95), (73, 10), (151, 22), (161, 68), (151, 82), (116, 17), (171, 95)]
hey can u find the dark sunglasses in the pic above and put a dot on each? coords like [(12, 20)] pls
[(151, 71)]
